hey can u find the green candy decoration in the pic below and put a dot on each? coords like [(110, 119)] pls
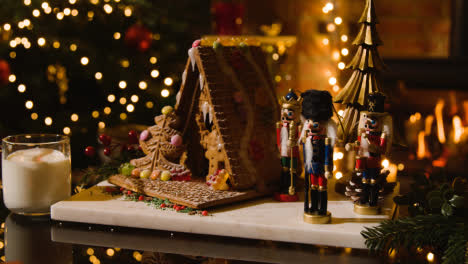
[(126, 169), (167, 110)]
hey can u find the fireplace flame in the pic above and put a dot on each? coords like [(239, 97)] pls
[(421, 153), (440, 121), (428, 124), (458, 129)]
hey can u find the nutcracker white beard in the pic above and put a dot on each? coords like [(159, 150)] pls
[(364, 149), (284, 141), (308, 153)]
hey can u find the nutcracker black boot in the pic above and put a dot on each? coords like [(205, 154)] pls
[(365, 193), (284, 185), (323, 196), (314, 199), (374, 195)]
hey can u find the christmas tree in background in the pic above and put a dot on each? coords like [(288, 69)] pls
[(366, 64), (75, 66)]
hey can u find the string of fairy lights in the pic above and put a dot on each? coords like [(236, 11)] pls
[(336, 41), (42, 42)]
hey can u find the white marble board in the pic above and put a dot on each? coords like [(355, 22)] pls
[(263, 219)]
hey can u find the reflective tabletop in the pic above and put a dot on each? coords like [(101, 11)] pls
[(40, 240)]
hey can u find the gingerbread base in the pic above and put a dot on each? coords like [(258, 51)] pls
[(282, 197), (317, 219), (366, 209), (194, 194)]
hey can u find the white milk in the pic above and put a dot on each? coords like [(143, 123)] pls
[(34, 179)]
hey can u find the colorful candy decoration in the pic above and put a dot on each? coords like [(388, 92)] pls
[(126, 169), (155, 174), (196, 43), (176, 140), (136, 173), (145, 174), (167, 110), (144, 135), (165, 176), (218, 181)]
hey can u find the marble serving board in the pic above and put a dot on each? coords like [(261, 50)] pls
[(263, 219)]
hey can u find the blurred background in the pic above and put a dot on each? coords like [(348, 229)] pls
[(83, 67)]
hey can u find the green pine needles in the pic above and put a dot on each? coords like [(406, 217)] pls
[(437, 220), (441, 233)]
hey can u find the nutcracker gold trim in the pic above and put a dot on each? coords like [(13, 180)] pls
[(317, 219), (291, 103), (366, 210)]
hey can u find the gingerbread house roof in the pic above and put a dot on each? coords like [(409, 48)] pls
[(229, 73)]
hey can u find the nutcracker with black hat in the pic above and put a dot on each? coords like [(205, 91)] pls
[(287, 134), (374, 141), (318, 137)]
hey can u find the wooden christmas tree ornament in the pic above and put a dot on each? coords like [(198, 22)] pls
[(366, 64)]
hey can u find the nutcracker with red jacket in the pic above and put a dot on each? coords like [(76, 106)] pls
[(318, 137), (374, 140), (287, 135)]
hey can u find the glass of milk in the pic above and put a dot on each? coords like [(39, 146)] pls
[(36, 172)]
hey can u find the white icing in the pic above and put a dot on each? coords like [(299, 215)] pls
[(200, 77), (211, 113), (192, 57), (205, 110), (184, 77), (179, 94)]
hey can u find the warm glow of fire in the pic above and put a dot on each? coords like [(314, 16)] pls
[(457, 129), (392, 176), (421, 153), (440, 121), (465, 109), (428, 124)]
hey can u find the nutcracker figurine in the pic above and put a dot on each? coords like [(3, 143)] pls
[(374, 140), (287, 134), (318, 137)]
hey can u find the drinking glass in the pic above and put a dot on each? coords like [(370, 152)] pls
[(36, 172)]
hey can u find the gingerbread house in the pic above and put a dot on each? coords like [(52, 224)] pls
[(226, 111)]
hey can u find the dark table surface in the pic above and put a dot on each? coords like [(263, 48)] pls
[(39, 240)]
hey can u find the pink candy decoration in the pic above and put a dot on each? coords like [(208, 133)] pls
[(144, 135), (196, 43), (176, 140)]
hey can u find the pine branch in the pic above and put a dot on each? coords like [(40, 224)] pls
[(420, 231), (456, 251)]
